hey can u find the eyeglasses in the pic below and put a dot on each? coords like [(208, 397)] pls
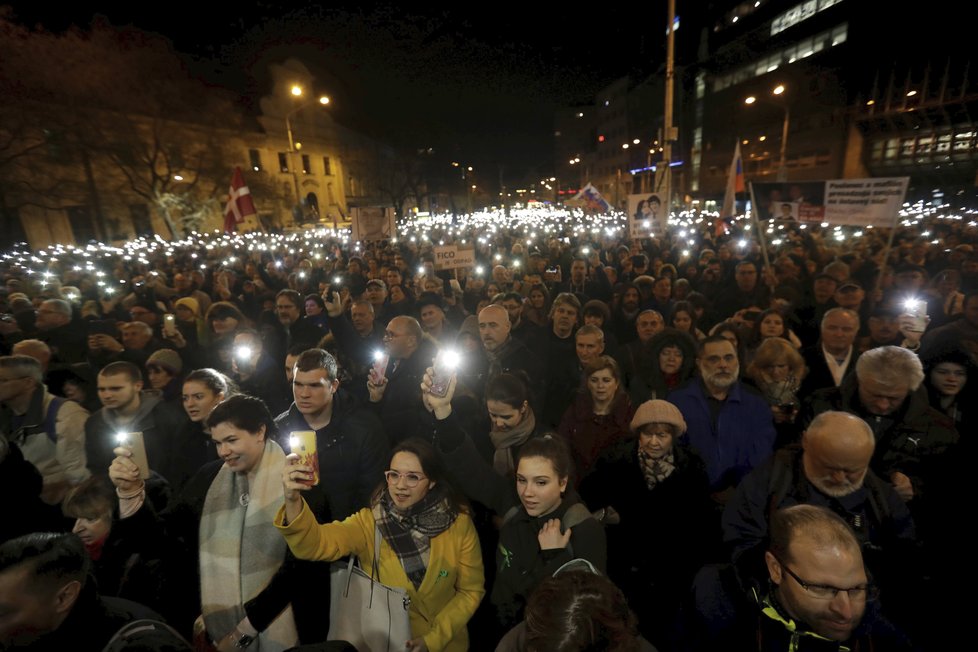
[(392, 336), (411, 480), (824, 592)]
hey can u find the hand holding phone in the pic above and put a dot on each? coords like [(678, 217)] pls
[(137, 446), (445, 365), (169, 325), (379, 369), (303, 444)]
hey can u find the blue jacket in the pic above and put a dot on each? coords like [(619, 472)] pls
[(743, 438)]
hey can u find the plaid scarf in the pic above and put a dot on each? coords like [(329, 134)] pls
[(409, 533), (656, 470)]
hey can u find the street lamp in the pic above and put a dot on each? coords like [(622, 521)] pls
[(779, 91), (296, 91)]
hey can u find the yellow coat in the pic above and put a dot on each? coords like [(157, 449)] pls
[(452, 587)]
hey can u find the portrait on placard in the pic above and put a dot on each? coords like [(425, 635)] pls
[(371, 223)]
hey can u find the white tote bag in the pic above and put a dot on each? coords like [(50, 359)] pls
[(370, 616)]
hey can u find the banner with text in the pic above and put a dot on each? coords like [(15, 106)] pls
[(453, 257), (865, 202), (857, 202)]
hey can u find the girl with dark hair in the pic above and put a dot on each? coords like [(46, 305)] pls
[(672, 361), (576, 610), (683, 319), (428, 542), (512, 418), (222, 524), (537, 307), (544, 524)]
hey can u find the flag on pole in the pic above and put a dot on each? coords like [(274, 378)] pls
[(735, 184), (590, 200), (240, 205)]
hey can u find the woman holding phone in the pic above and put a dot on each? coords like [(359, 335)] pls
[(544, 524), (428, 543), (221, 523)]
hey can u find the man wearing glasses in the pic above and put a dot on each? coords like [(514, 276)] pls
[(815, 594)]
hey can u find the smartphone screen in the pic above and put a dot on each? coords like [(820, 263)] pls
[(134, 442), (445, 365)]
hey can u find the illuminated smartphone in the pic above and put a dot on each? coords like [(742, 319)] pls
[(303, 444), (134, 442), (915, 309), (169, 324), (445, 365), (380, 364)]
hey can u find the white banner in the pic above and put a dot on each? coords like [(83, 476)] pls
[(452, 257), (864, 202)]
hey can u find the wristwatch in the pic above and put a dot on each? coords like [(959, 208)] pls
[(242, 641)]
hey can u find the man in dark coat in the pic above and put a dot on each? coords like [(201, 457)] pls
[(396, 396), (352, 448)]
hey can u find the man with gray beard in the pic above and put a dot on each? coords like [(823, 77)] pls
[(728, 424), (829, 469)]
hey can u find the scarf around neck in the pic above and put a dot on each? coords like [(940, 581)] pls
[(656, 470), (409, 532), (503, 442), (240, 549)]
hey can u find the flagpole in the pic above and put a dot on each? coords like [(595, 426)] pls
[(886, 255), (757, 225)]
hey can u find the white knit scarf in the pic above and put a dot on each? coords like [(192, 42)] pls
[(240, 549)]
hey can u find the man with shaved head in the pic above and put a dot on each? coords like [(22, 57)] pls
[(394, 395), (504, 353), (830, 469)]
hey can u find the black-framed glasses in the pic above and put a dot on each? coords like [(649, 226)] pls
[(411, 479), (866, 592)]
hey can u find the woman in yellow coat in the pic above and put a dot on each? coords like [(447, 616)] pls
[(428, 545)]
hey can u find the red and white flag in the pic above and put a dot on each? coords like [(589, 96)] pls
[(240, 205)]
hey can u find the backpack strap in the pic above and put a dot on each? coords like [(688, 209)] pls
[(51, 417)]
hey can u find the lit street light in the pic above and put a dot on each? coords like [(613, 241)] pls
[(296, 91), (779, 91)]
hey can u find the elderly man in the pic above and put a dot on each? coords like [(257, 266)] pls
[(913, 440), (394, 395), (729, 426), (49, 430), (56, 329), (813, 593), (833, 358), (830, 469)]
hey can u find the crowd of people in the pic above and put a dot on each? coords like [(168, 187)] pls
[(583, 441)]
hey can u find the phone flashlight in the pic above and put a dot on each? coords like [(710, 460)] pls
[(421, 269), (242, 352), (336, 280), (912, 306), (122, 438), (479, 270)]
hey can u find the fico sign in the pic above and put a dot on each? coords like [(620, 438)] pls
[(452, 257)]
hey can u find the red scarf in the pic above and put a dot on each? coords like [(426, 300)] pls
[(95, 548)]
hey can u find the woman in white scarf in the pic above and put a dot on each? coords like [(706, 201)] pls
[(240, 550)]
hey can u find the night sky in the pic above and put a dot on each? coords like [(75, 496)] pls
[(478, 83)]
